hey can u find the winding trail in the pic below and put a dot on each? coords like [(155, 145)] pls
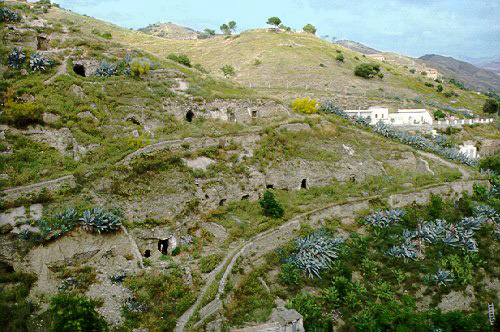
[(273, 238), (60, 71)]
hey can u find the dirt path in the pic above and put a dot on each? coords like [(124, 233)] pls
[(60, 71), (182, 321), (465, 173)]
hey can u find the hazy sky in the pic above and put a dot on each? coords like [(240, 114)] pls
[(412, 27)]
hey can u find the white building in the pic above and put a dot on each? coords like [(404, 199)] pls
[(376, 113), (410, 117), (401, 118)]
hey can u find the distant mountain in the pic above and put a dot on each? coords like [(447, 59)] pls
[(472, 76), (170, 31), (358, 47), (490, 63)]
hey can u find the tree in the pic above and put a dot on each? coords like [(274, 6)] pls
[(270, 206), (183, 59), (309, 28), (274, 21), (210, 32), (225, 29), (228, 28), (232, 25), (71, 312), (491, 106), (367, 70)]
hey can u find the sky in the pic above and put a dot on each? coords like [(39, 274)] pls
[(458, 28)]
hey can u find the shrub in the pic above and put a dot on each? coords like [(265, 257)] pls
[(412, 71), (308, 306), (71, 312), (228, 70), (430, 85), (367, 70), (448, 94), (290, 274), (439, 88), (491, 163), (180, 58), (98, 220), (208, 263), (340, 57), (309, 28), (439, 114), (138, 69), (16, 58), (270, 206), (22, 114), (176, 251), (305, 105), (209, 32), (491, 106), (38, 62)]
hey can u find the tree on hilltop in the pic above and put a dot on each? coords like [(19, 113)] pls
[(228, 28), (274, 21), (309, 28)]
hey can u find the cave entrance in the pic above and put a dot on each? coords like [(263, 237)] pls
[(163, 246), (189, 116), (245, 197), (303, 184), (222, 202), (79, 69), (42, 43), (147, 253), (269, 186)]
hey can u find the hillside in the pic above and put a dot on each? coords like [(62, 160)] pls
[(358, 47), (170, 31), (472, 76), (141, 194), (280, 64)]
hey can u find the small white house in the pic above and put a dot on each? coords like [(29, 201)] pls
[(410, 117), (376, 113)]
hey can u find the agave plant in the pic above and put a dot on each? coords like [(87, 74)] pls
[(98, 220), (407, 250), (16, 57), (442, 277), (471, 223), (38, 62), (66, 220), (384, 218), (315, 252), (105, 69), (8, 15)]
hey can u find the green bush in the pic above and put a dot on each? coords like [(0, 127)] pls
[(491, 163), (180, 58), (439, 88), (228, 70), (439, 114), (22, 114), (208, 263), (367, 70), (270, 206), (176, 251), (340, 57), (71, 312), (491, 106), (290, 275)]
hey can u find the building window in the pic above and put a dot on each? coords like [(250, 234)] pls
[(376, 116)]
